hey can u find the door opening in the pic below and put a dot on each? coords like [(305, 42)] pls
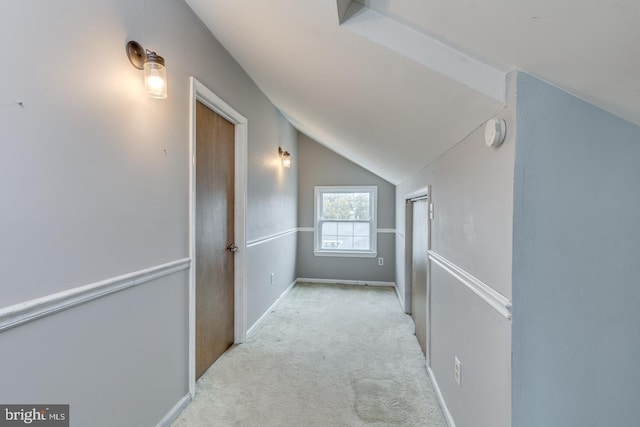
[(214, 259), (226, 258), (417, 272)]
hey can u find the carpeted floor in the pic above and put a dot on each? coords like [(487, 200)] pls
[(328, 355)]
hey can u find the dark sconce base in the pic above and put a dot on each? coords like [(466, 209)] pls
[(136, 54)]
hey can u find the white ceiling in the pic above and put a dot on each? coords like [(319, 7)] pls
[(402, 81)]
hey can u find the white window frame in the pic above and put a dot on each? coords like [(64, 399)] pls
[(373, 232)]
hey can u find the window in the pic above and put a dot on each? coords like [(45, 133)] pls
[(345, 221)]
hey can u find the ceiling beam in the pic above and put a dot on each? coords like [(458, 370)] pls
[(425, 50)]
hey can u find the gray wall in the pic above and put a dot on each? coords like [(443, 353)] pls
[(272, 209), (472, 192), (275, 256), (320, 166), (576, 340), (94, 184)]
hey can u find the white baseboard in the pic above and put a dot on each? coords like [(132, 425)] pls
[(443, 404), (253, 329), (173, 414), (346, 282)]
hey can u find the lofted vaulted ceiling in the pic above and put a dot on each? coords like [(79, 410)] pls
[(392, 84)]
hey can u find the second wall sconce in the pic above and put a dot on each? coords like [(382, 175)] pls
[(286, 157), (155, 74)]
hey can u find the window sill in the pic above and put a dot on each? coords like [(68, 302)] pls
[(352, 254)]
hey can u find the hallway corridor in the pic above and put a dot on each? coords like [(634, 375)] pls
[(327, 355)]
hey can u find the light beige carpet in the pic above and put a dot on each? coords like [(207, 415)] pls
[(328, 355)]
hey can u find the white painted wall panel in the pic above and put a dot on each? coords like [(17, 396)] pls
[(472, 193), (480, 338), (94, 184), (119, 360)]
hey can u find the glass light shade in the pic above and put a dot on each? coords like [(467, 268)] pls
[(155, 79), (286, 159)]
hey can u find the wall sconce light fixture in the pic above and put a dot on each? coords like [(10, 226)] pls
[(286, 157), (155, 74)]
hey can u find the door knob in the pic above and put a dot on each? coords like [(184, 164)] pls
[(233, 248)]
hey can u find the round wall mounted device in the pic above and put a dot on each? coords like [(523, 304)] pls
[(494, 132)]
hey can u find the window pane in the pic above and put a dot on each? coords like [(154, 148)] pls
[(361, 243), (345, 219), (330, 235), (345, 206), (345, 228), (346, 242), (361, 229), (336, 206), (331, 242), (329, 228), (345, 234), (361, 206)]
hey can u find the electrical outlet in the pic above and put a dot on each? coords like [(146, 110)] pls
[(380, 261), (273, 278), (457, 372)]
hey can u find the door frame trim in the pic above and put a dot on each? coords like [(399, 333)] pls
[(199, 92), (423, 193), (408, 244)]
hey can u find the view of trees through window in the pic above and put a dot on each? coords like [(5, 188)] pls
[(345, 222), (345, 206)]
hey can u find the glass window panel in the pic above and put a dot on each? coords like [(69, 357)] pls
[(346, 242), (329, 228), (361, 229), (361, 243), (338, 206), (345, 228), (330, 242), (361, 206), (345, 220), (328, 206)]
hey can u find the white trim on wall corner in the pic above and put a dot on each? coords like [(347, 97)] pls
[(395, 286), (307, 229), (386, 230), (443, 404), (484, 291), (345, 282), (175, 412), (271, 237), (254, 328), (18, 314)]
